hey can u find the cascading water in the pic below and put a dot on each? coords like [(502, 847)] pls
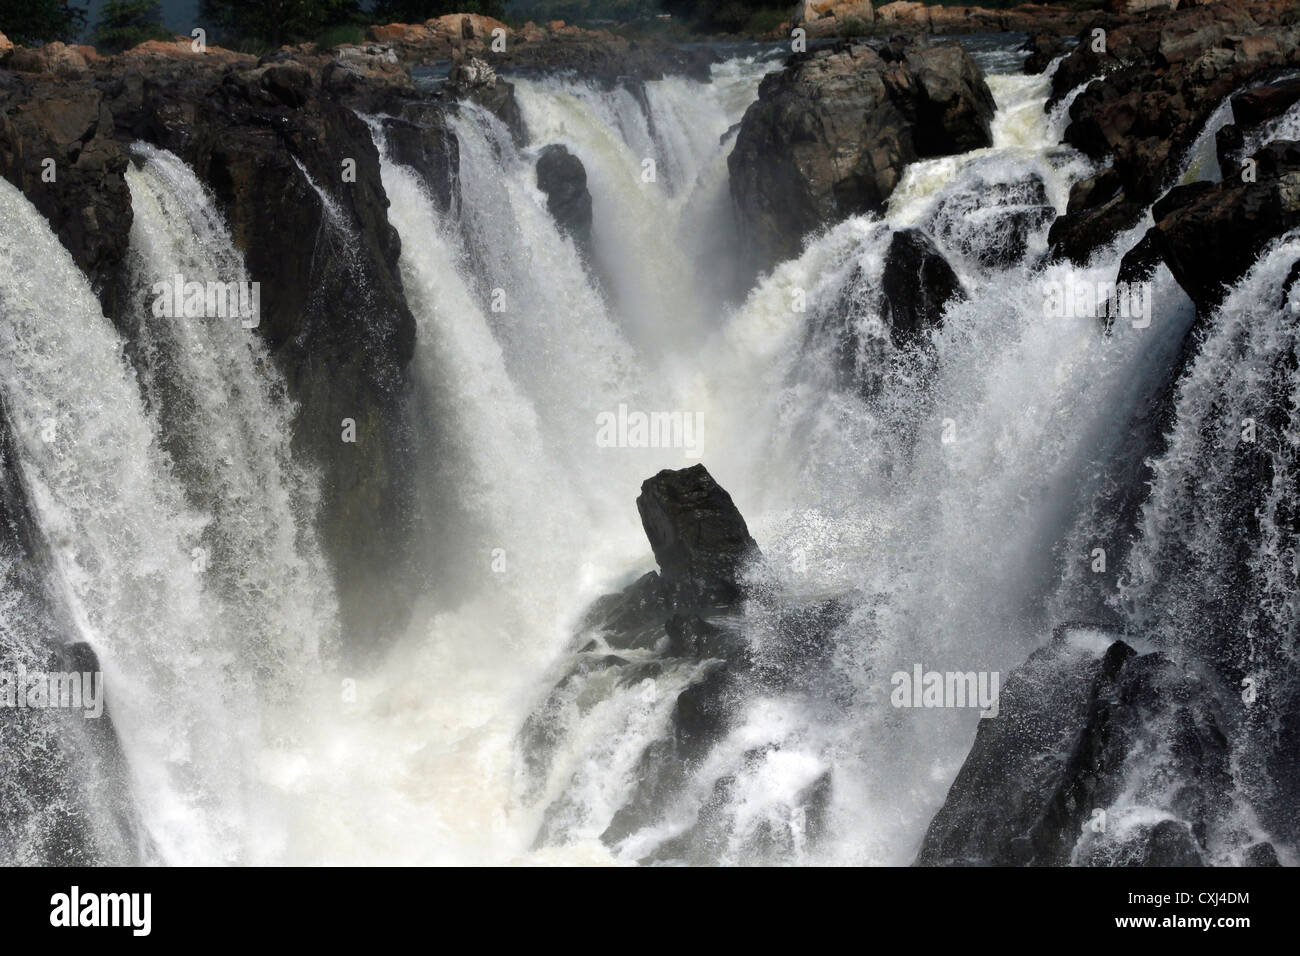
[(948, 512), (179, 529)]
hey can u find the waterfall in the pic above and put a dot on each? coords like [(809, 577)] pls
[(948, 552), (947, 505), (172, 511)]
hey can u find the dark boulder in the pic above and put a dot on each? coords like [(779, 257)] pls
[(1261, 854), (916, 286), (561, 176), (830, 136), (698, 536), (1075, 735), (1263, 103), (1209, 235), (1042, 48)]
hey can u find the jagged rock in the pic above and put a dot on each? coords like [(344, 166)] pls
[(1159, 79), (561, 176), (701, 714), (830, 135), (6, 47), (1076, 732), (695, 637), (698, 537), (634, 617), (477, 81), (684, 617), (916, 286), (1210, 234), (1042, 48)]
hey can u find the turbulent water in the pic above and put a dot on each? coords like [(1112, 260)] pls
[(954, 507)]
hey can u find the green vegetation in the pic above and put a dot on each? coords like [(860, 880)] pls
[(31, 22), (727, 16), (276, 22), (417, 11), (127, 23)]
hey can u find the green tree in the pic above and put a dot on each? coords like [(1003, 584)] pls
[(277, 22), (127, 23), (417, 11), (40, 21), (725, 15)]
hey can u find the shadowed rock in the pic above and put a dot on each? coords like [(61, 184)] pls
[(916, 285), (1076, 739), (830, 136), (698, 537), (561, 176)]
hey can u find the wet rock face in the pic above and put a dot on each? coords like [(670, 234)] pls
[(337, 325), (1152, 85), (1209, 235), (992, 223), (66, 130), (1158, 80), (830, 135), (562, 177), (421, 139), (64, 796), (916, 286), (475, 80), (1077, 738), (698, 537)]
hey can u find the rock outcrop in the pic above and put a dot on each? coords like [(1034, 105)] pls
[(916, 286), (340, 331), (1154, 83), (830, 136), (1210, 234), (561, 176), (601, 55), (1079, 733), (477, 81), (849, 18)]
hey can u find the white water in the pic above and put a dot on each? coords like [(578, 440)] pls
[(957, 555), (201, 614), (954, 548)]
